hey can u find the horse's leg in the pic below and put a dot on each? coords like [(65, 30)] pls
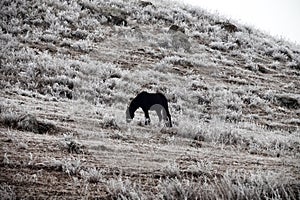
[(159, 114), (147, 117), (164, 114), (169, 119), (168, 116)]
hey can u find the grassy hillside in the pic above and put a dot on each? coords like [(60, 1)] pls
[(68, 70)]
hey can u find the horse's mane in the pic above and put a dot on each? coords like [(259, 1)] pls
[(134, 104)]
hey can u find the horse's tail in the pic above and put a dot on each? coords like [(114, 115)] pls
[(166, 107)]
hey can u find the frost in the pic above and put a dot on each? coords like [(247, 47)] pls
[(73, 67)]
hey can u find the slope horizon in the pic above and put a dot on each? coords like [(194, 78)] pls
[(70, 68), (260, 15)]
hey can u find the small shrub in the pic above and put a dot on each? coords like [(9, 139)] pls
[(233, 185), (180, 41), (179, 189), (110, 123), (5, 159), (92, 175), (26, 123), (172, 170), (71, 167), (74, 147), (288, 101), (228, 138), (124, 189), (7, 192), (187, 129)]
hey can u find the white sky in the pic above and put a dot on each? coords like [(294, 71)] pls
[(280, 18)]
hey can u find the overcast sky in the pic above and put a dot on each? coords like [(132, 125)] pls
[(280, 18)]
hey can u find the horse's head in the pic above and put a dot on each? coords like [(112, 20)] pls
[(129, 115)]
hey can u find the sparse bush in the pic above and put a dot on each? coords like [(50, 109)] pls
[(204, 166), (227, 138), (172, 170), (231, 93), (124, 189), (71, 167), (5, 159), (188, 129), (294, 65), (288, 101), (180, 41), (216, 131), (279, 56), (26, 123), (179, 189), (7, 192), (231, 186), (110, 123), (92, 175), (222, 46), (74, 147)]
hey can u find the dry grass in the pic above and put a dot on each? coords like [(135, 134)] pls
[(69, 69)]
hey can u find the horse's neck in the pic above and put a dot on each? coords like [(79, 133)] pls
[(134, 105)]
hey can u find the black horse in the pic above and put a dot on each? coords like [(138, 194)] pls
[(150, 101)]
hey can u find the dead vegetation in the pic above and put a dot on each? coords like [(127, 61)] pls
[(27, 122), (69, 69)]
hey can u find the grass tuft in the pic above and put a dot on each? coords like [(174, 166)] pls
[(26, 122), (74, 147), (92, 175), (7, 192)]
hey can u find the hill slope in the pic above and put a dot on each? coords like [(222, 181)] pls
[(69, 69)]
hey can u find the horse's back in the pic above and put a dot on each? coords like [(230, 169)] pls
[(162, 96), (152, 98)]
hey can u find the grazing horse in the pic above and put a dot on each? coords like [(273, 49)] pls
[(150, 101)]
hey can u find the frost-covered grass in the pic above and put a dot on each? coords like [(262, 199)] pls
[(231, 186), (73, 67)]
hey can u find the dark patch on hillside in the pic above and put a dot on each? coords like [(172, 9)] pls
[(288, 102), (27, 123)]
